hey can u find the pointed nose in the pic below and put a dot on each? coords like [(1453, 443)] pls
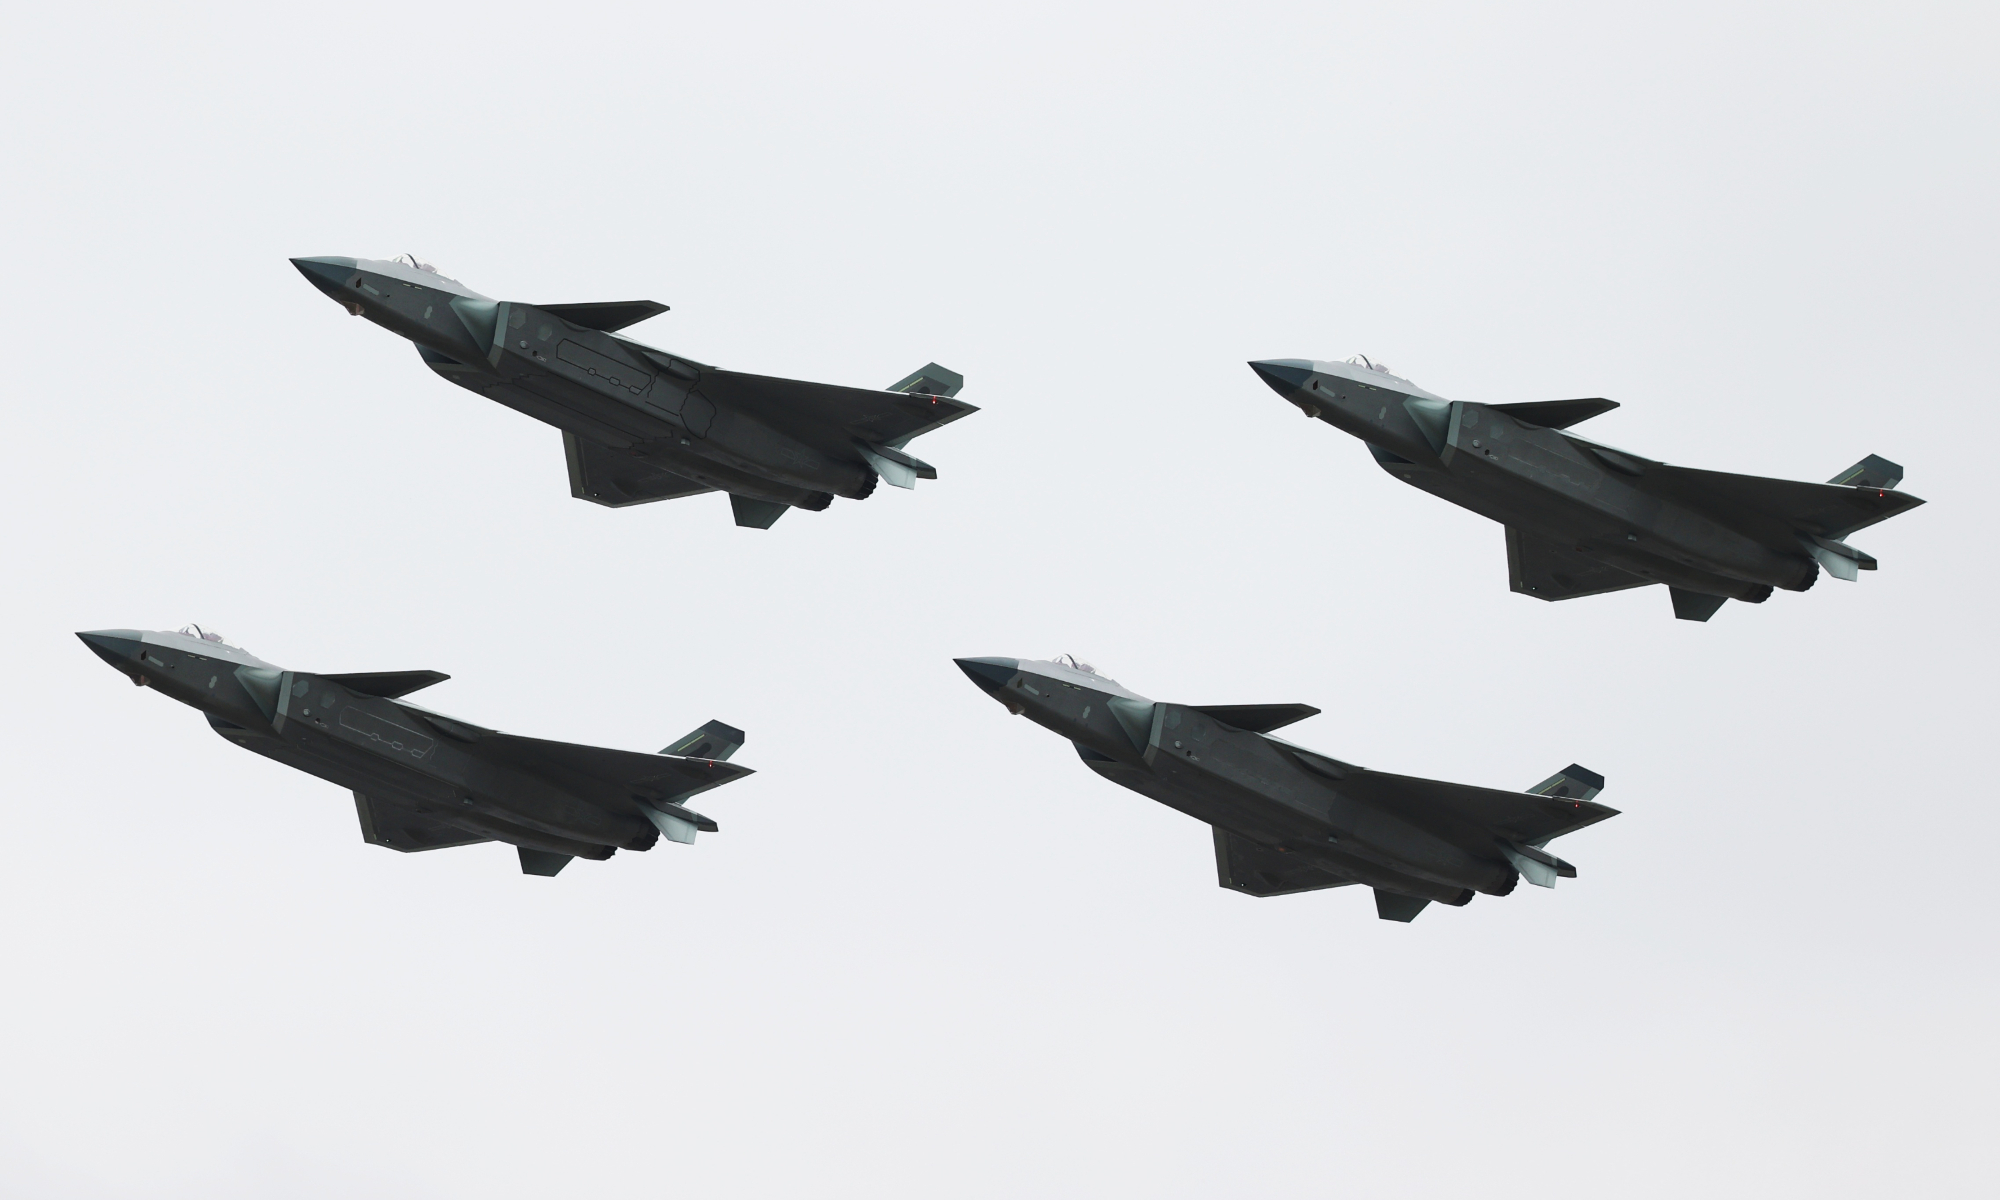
[(329, 275), (1283, 374), (119, 647), (991, 674)]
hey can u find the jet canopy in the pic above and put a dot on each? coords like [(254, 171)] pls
[(1367, 364), (1075, 664), (207, 635), (415, 263)]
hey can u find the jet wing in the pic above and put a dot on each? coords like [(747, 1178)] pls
[(608, 778), (604, 476), (829, 417), (607, 315), (387, 684), (1776, 509), (1540, 568), (1257, 718), (1557, 414), (400, 827), (1517, 817), (1242, 865)]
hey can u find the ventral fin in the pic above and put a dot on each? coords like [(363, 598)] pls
[(1391, 907), (542, 862), (1694, 606), (756, 514)]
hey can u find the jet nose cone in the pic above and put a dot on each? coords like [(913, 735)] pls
[(329, 275), (119, 647), (1283, 374), (991, 674)]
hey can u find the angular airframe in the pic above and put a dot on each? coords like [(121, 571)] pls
[(1287, 819), (1584, 518), (425, 781), (640, 424)]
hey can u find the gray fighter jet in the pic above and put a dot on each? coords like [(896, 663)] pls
[(422, 780), (1584, 518), (1287, 819), (640, 424)]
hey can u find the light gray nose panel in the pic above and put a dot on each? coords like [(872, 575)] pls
[(115, 646), (1284, 372), (329, 275), (991, 674)]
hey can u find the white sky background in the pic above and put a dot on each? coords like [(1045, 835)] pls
[(930, 954)]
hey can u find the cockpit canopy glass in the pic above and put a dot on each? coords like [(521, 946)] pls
[(1367, 364), (412, 261), (1075, 664), (207, 635)]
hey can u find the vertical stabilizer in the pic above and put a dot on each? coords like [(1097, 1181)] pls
[(930, 380), (713, 740), (1573, 782), (1873, 471)]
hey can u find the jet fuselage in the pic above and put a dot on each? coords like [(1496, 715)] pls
[(368, 744), (602, 387), (1247, 784), (1539, 480)]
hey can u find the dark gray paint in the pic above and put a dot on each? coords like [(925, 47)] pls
[(1287, 819), (1584, 518), (640, 424), (422, 780)]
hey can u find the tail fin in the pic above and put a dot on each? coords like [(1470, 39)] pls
[(713, 740), (1871, 472), (930, 380), (1570, 783)]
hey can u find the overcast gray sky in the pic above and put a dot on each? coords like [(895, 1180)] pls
[(929, 954)]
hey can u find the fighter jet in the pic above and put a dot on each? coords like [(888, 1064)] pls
[(1583, 517), (1287, 819), (641, 424), (422, 780)]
